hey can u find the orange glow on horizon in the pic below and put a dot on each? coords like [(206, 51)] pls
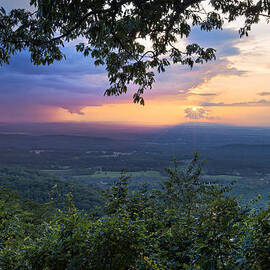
[(228, 94)]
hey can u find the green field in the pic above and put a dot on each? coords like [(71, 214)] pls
[(57, 172), (106, 174), (136, 179), (221, 178)]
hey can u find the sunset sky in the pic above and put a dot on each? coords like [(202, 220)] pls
[(235, 89)]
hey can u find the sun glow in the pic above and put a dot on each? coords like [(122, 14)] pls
[(194, 109)]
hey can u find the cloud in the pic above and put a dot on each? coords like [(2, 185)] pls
[(259, 103), (8, 4), (75, 64), (76, 83), (181, 77), (181, 92), (198, 114), (264, 94), (182, 81), (72, 84), (204, 94), (223, 41)]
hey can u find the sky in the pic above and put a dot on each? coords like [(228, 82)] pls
[(234, 89)]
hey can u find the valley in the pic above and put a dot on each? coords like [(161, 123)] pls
[(93, 161)]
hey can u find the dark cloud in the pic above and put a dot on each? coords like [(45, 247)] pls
[(72, 84), (75, 83), (223, 41), (259, 103), (198, 114), (213, 37), (228, 51), (74, 64)]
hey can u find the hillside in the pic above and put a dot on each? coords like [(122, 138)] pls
[(38, 186)]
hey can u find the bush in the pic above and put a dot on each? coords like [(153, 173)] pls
[(186, 224)]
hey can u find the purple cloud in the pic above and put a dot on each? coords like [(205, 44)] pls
[(76, 83)]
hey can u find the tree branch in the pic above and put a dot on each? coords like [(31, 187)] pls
[(180, 8), (265, 15), (81, 21)]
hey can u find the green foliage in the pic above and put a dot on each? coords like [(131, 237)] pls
[(187, 224), (20, 221), (37, 186), (115, 34), (258, 250)]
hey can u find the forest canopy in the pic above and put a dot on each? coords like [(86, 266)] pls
[(187, 224), (133, 39)]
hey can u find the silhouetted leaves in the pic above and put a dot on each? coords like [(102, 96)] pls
[(133, 39)]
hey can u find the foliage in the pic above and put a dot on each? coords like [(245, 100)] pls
[(19, 222), (116, 33), (187, 224), (37, 186)]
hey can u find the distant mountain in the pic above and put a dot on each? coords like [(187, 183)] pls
[(205, 124), (81, 129), (211, 134)]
